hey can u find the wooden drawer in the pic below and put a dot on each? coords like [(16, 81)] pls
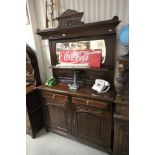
[(49, 98), (47, 94), (92, 103)]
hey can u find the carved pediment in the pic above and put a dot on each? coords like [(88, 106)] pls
[(70, 12), (70, 18)]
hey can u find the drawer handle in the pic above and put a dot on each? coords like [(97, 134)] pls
[(53, 96), (68, 121), (87, 102), (74, 122)]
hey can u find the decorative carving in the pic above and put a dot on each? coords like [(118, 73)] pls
[(53, 101), (70, 18), (70, 12), (82, 108)]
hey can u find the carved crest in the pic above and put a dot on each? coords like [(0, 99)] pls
[(70, 18)]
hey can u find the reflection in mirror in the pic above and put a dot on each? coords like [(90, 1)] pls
[(81, 53)]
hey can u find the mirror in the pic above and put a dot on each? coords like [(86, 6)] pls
[(84, 53)]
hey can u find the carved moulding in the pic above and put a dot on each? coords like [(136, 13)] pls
[(70, 18), (55, 102), (81, 108)]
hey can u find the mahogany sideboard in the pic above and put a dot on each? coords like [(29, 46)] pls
[(83, 114)]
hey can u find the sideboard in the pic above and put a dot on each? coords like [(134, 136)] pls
[(81, 114)]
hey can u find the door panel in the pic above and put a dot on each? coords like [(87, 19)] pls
[(89, 125), (58, 111), (57, 117), (92, 121)]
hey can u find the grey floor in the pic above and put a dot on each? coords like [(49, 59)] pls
[(53, 144)]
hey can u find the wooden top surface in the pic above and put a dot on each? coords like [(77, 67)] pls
[(83, 91)]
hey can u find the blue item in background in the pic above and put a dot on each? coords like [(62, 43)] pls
[(124, 35)]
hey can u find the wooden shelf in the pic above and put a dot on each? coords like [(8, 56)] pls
[(83, 68)]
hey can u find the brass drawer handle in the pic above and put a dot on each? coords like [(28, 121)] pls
[(68, 121), (63, 34), (53, 96), (88, 102)]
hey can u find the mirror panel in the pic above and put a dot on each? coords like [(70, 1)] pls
[(91, 53)]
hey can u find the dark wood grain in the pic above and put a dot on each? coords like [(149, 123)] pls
[(57, 111), (97, 28), (84, 92)]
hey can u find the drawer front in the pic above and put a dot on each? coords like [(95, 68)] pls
[(49, 98), (54, 96), (92, 103)]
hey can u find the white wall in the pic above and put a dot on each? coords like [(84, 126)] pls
[(94, 10), (98, 10), (37, 40), (29, 37), (41, 16)]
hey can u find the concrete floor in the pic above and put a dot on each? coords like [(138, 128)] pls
[(53, 144)]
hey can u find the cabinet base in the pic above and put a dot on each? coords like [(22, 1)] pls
[(102, 148)]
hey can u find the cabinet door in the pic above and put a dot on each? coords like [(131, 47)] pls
[(92, 121), (57, 112)]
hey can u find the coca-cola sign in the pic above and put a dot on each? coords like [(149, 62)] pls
[(80, 56)]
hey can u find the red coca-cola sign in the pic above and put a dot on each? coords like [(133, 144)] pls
[(80, 56)]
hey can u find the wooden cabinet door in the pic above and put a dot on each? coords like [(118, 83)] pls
[(92, 121), (56, 111)]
